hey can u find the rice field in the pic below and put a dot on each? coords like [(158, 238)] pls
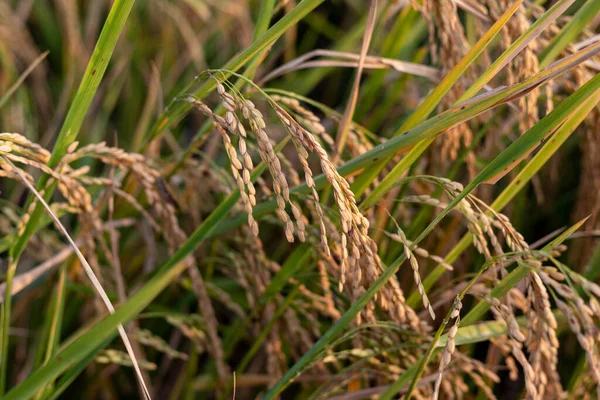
[(285, 199)]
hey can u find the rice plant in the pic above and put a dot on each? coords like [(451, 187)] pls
[(299, 199)]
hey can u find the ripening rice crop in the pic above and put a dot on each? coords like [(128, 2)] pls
[(300, 199)]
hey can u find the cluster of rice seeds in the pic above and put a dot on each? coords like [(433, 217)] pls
[(306, 117), (70, 185), (316, 206), (325, 285), (511, 350), (17, 143), (478, 224), (580, 315), (514, 346), (359, 261), (357, 143), (513, 238), (354, 225), (240, 168), (540, 369), (450, 346), (580, 321), (234, 126), (148, 177), (308, 176), (20, 150), (293, 177), (267, 154), (79, 199), (254, 270), (400, 237), (542, 342), (505, 313)]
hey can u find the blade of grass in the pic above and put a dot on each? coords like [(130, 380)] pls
[(515, 150), (569, 32), (68, 378)]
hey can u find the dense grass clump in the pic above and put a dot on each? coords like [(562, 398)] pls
[(299, 199)]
